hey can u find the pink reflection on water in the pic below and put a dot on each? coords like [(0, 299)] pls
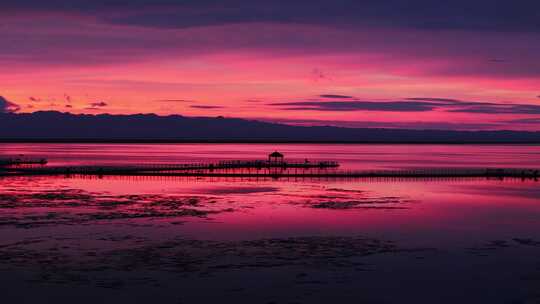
[(67, 226), (424, 213)]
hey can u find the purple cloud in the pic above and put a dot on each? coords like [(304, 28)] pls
[(7, 106), (532, 121), (495, 60), (478, 15), (435, 99), (99, 104), (335, 96), (416, 125), (206, 107), (387, 106), (174, 100), (96, 105), (419, 104), (123, 44)]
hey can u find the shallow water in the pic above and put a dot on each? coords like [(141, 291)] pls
[(187, 240), (350, 156)]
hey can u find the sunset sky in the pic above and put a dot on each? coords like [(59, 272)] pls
[(462, 64)]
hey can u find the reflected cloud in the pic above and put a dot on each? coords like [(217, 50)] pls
[(524, 192), (238, 190)]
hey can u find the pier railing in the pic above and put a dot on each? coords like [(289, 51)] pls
[(17, 161), (262, 169)]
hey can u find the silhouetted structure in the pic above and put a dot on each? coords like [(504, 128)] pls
[(275, 157), (261, 169), (21, 160)]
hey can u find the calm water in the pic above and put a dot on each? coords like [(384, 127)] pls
[(350, 156), (193, 240)]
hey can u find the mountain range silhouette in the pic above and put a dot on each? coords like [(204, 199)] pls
[(57, 126)]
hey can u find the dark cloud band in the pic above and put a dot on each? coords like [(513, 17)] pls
[(411, 105), (205, 107), (497, 15)]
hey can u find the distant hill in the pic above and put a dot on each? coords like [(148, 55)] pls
[(56, 126)]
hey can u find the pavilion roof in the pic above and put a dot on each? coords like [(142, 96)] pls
[(275, 154)]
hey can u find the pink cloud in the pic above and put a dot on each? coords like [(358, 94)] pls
[(132, 67)]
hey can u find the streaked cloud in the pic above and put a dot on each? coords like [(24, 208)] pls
[(174, 100), (384, 106), (309, 59), (97, 105), (532, 121), (412, 105), (478, 15), (206, 107), (416, 125), (335, 96)]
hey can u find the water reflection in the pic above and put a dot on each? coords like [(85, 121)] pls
[(354, 157), (187, 239)]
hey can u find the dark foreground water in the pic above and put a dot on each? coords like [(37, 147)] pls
[(208, 240)]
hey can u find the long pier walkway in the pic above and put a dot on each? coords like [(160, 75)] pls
[(21, 160), (275, 167), (265, 169), (29, 168)]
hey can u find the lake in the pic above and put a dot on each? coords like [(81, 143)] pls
[(263, 240)]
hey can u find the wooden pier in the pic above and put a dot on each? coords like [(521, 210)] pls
[(242, 167), (21, 160), (256, 169), (275, 167)]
